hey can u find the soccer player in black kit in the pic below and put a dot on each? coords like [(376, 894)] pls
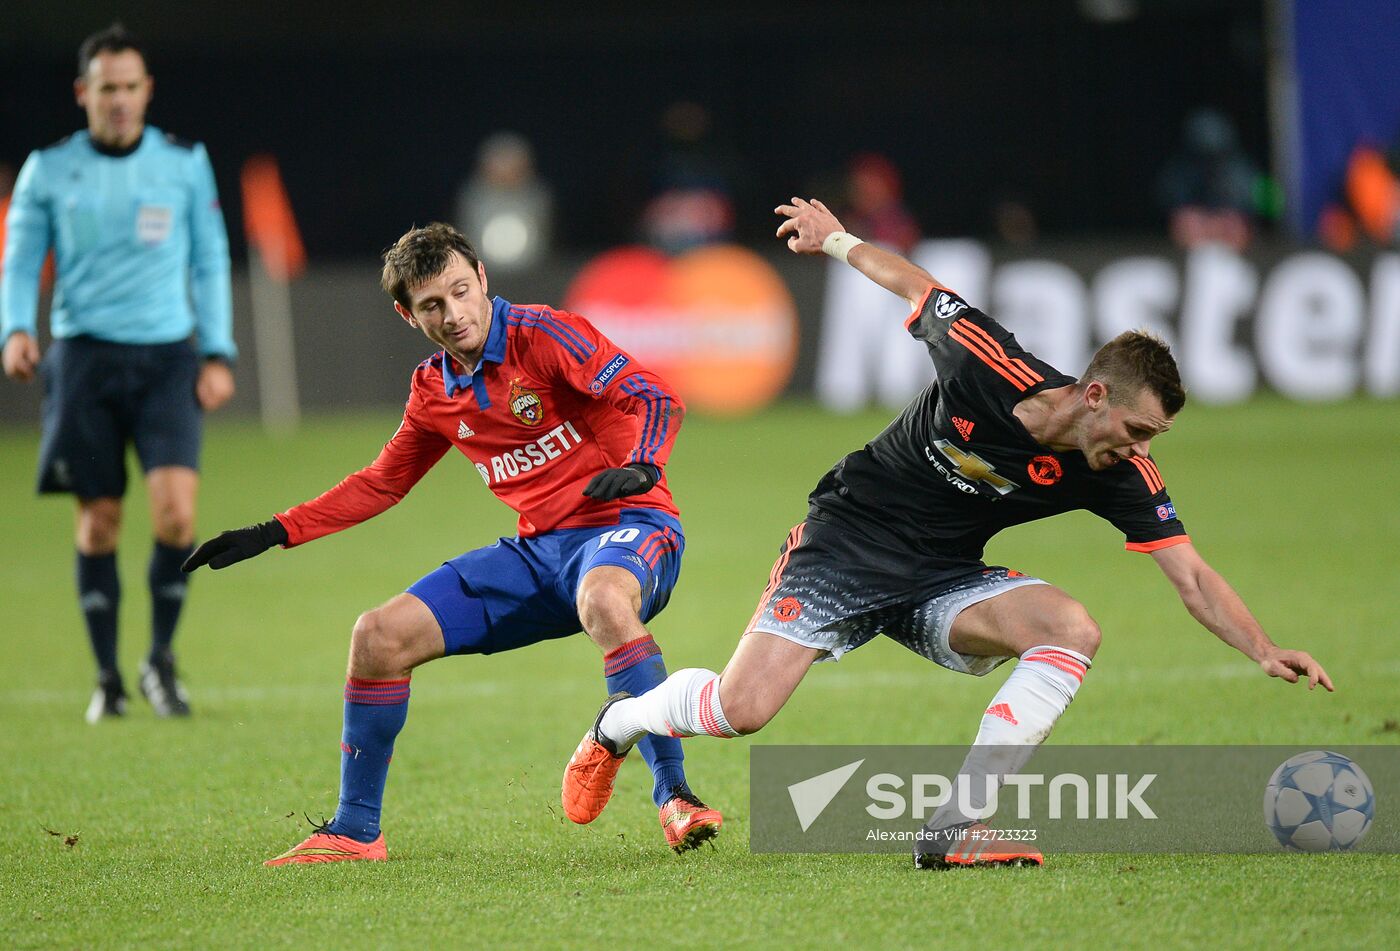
[(893, 541)]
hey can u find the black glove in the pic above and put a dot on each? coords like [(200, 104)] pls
[(612, 484), (232, 547)]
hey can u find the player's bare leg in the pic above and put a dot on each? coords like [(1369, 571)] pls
[(1055, 639), (98, 526), (609, 607), (758, 680), (1012, 623), (172, 491), (385, 646), (391, 640), (96, 531)]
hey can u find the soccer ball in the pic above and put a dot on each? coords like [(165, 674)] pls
[(1318, 802)]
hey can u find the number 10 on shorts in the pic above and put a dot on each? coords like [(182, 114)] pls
[(620, 535)]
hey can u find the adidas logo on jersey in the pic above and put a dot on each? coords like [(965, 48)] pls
[(463, 430), (964, 427)]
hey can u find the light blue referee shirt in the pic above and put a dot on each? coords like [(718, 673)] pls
[(138, 238)]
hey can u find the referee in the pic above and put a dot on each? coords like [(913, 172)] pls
[(133, 218)]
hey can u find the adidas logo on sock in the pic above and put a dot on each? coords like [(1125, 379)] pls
[(1002, 710)]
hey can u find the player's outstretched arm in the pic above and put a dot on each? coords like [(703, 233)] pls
[(1219, 609), (229, 548), (358, 497), (811, 228)]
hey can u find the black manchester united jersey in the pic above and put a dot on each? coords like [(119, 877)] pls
[(957, 466)]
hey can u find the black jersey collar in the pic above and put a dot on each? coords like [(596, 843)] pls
[(112, 151)]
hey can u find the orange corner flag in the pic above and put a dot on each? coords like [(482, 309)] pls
[(268, 220)]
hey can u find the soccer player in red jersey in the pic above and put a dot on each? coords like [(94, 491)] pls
[(892, 544), (572, 433)]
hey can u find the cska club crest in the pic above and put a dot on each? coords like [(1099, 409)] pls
[(525, 404)]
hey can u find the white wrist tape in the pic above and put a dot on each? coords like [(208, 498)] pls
[(838, 245)]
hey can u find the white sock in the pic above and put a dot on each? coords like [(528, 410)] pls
[(1018, 720), (685, 704)]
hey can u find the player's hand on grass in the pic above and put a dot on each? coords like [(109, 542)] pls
[(1293, 666), (617, 483), (21, 356), (229, 548), (807, 224), (214, 387)]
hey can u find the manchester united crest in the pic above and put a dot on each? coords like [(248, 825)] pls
[(1044, 470), (525, 404)]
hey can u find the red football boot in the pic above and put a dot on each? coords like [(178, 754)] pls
[(970, 845), (589, 777), (324, 847), (687, 821)]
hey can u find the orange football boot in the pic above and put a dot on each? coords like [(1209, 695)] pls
[(324, 847), (589, 777), (687, 821), (973, 844)]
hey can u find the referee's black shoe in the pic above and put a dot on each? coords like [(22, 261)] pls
[(162, 688), (108, 700)]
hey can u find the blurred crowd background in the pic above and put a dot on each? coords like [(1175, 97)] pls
[(380, 113), (1073, 134)]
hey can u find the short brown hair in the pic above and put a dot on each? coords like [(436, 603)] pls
[(114, 39), (1133, 360), (421, 255)]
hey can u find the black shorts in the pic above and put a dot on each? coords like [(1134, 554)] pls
[(99, 396), (835, 589)]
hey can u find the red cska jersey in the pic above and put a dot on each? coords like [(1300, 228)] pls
[(552, 403)]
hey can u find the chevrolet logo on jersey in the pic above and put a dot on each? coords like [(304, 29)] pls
[(972, 467)]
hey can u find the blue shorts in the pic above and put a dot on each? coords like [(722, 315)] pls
[(99, 396), (520, 591)]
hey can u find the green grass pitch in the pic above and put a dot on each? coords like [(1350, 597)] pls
[(169, 821)]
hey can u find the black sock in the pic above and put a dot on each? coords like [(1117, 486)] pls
[(99, 595), (168, 584)]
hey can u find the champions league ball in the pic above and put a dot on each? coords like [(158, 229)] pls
[(1319, 802)]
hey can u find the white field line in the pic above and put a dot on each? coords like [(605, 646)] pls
[(923, 674), (302, 693), (919, 674)]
